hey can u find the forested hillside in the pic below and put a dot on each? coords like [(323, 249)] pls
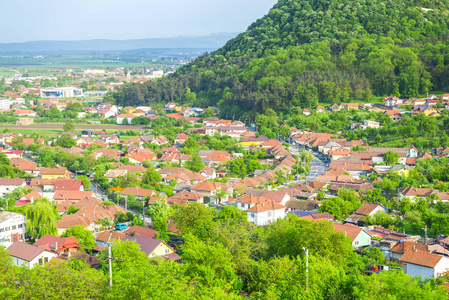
[(305, 51)]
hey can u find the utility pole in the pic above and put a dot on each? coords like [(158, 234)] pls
[(425, 235), (110, 265), (306, 251), (143, 211)]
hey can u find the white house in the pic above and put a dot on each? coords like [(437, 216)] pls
[(7, 185), (209, 173), (260, 210), (121, 117), (29, 255), (424, 264), (12, 228), (393, 101), (372, 124)]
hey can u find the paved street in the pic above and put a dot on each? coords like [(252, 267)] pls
[(317, 167)]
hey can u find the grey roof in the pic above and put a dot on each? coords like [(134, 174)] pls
[(147, 245), (6, 215), (24, 251)]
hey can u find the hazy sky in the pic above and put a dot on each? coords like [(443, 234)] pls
[(32, 20)]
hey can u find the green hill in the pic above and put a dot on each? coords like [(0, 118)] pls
[(308, 51)]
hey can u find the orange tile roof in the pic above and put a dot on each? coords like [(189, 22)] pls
[(421, 258)]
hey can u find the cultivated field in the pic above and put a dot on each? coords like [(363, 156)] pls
[(95, 127)]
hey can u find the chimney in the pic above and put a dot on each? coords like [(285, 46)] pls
[(56, 246), (68, 254)]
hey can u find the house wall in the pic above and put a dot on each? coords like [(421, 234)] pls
[(417, 270), (363, 239), (51, 176), (161, 249), (5, 189), (266, 217), (30, 264), (442, 266), (13, 227), (395, 256)]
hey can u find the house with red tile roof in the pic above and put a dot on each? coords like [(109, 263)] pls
[(366, 210), (260, 210), (359, 237), (424, 264), (137, 192), (25, 165), (68, 185), (143, 231), (57, 244), (62, 195), (27, 255), (87, 216), (211, 189), (181, 138), (185, 196)]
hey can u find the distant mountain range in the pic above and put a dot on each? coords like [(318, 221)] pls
[(215, 41)]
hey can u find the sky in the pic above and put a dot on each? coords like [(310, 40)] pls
[(35, 20)]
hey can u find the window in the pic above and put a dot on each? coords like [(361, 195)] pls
[(269, 213), (356, 243), (2, 229), (7, 228), (14, 227), (41, 261), (167, 251), (20, 226), (252, 215)]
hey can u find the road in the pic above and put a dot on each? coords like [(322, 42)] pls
[(317, 167), (100, 194)]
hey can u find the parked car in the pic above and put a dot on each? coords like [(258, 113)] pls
[(120, 226)]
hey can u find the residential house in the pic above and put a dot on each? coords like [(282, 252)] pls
[(87, 216), (110, 139), (68, 185), (137, 192), (185, 196), (394, 114), (208, 173), (29, 255), (392, 101), (424, 264), (25, 165), (128, 117), (63, 195), (153, 247), (413, 193), (212, 189), (306, 112), (87, 133), (366, 210), (58, 244), (109, 153), (8, 185), (260, 210), (55, 172), (403, 246), (106, 237), (360, 238), (25, 112), (12, 228), (28, 198), (139, 230), (181, 138)]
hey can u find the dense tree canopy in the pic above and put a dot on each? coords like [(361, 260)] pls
[(304, 52)]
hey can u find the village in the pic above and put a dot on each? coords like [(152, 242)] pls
[(111, 182)]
